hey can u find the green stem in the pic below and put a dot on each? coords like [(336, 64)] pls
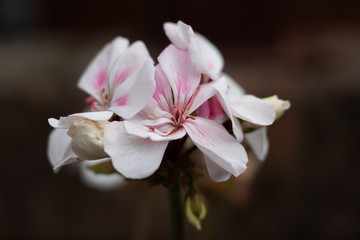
[(177, 222)]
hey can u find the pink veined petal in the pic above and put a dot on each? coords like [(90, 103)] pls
[(252, 109), (176, 35), (177, 67), (216, 173), (210, 109), (163, 94), (204, 92), (221, 88), (165, 133), (134, 157), (128, 64), (217, 144), (259, 143), (94, 78), (101, 182), (211, 54), (59, 149), (131, 98)]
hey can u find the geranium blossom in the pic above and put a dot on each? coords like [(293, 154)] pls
[(208, 60), (112, 80), (137, 146)]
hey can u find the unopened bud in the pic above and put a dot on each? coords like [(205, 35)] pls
[(88, 139), (195, 209), (280, 105)]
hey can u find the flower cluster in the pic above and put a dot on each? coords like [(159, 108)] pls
[(142, 112)]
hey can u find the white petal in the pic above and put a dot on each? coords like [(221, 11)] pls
[(132, 156), (125, 66), (211, 54), (131, 98), (234, 88), (176, 35), (163, 94), (259, 143), (99, 181), (204, 92), (217, 144), (221, 86), (167, 133), (184, 79), (252, 109), (216, 173), (59, 149), (94, 77), (65, 122)]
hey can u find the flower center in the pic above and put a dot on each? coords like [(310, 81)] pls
[(179, 114)]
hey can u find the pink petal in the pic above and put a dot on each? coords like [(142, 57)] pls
[(133, 95), (210, 109), (163, 93), (216, 173), (134, 157), (59, 149), (252, 109), (94, 78), (204, 92), (259, 143), (217, 144), (177, 67)]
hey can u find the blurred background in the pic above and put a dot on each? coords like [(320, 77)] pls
[(306, 51)]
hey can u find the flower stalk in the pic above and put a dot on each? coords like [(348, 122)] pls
[(176, 212)]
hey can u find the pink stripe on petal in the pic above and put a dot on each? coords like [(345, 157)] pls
[(120, 77), (121, 101), (100, 80)]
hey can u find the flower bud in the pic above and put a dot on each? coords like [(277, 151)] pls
[(195, 209), (88, 139), (279, 105)]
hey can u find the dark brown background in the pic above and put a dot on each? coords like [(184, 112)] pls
[(305, 51)]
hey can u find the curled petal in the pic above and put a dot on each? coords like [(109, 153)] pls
[(134, 157), (252, 109), (217, 144), (216, 173), (221, 87), (259, 143), (59, 149), (65, 122), (166, 132)]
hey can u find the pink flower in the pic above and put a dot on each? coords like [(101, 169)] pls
[(112, 79), (137, 146)]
